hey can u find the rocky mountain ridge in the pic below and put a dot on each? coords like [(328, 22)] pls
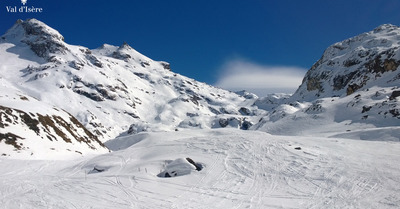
[(357, 63)]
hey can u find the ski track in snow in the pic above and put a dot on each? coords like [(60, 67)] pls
[(241, 170)]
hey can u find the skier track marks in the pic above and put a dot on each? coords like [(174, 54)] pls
[(241, 170), (116, 182), (186, 198), (242, 179), (126, 190), (337, 180), (263, 182)]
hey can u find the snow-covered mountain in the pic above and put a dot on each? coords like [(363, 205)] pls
[(356, 64), (60, 101), (353, 90), (114, 90)]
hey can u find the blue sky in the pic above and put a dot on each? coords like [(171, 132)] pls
[(220, 41)]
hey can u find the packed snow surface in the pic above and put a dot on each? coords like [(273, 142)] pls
[(241, 169)]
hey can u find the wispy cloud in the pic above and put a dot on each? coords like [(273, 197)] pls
[(240, 74)]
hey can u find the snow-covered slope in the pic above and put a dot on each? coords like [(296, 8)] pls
[(32, 129), (110, 88), (367, 115), (353, 90), (240, 169)]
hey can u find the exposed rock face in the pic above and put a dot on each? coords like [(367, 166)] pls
[(235, 122), (166, 65), (51, 127), (355, 64), (394, 95)]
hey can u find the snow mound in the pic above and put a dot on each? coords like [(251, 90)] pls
[(180, 167)]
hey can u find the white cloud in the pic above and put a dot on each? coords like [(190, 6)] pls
[(239, 74)]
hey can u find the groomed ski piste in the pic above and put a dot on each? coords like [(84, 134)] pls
[(239, 169)]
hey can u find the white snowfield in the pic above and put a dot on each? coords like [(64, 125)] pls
[(240, 169)]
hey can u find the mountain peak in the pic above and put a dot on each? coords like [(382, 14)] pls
[(38, 28), (33, 27), (385, 27), (42, 39), (125, 46)]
